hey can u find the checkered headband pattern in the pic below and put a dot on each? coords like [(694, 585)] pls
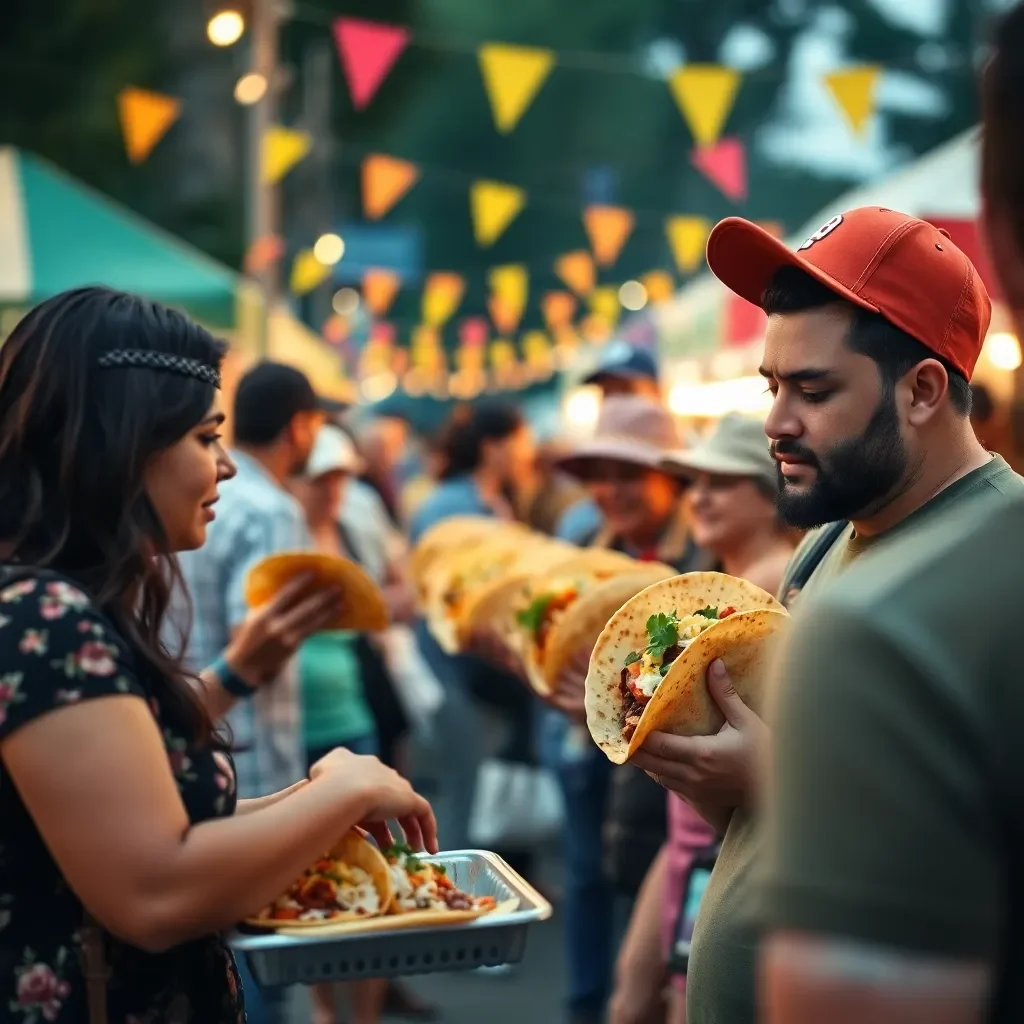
[(118, 358)]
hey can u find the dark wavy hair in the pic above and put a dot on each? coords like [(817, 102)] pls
[(75, 439), (469, 427)]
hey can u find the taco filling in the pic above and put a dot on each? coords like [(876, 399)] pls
[(543, 612), (327, 890), (420, 885), (643, 670)]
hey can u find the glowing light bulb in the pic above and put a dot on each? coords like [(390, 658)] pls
[(1003, 350), (250, 88), (225, 28), (329, 249)]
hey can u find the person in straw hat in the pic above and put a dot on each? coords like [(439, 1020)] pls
[(731, 501)]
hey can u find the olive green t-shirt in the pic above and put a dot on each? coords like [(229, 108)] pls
[(899, 691), (721, 974)]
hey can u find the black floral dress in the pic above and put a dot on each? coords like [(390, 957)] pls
[(57, 649)]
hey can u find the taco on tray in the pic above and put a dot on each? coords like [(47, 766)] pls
[(351, 883), (361, 605), (647, 670)]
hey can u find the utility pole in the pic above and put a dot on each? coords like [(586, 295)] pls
[(263, 215)]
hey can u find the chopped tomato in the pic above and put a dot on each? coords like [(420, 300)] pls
[(486, 902), (641, 697), (634, 669), (286, 914), (726, 611)]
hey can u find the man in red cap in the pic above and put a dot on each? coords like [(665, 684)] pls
[(875, 324)]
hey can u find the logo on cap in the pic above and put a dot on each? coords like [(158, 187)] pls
[(823, 232)]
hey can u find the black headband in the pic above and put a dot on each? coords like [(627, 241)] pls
[(119, 358)]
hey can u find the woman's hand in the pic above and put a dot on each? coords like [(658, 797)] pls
[(387, 796), (270, 635)]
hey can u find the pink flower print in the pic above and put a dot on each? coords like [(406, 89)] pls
[(50, 608), (9, 692), (4, 620), (180, 761), (68, 595), (40, 989), (85, 626), (96, 658), (225, 772), (68, 696), (16, 591), (34, 641)]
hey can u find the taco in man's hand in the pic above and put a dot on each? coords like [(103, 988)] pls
[(648, 667), (558, 613), (360, 604), (351, 883)]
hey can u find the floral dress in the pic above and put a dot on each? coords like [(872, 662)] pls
[(56, 648)]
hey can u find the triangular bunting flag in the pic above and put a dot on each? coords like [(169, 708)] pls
[(512, 77), (558, 309), (307, 272), (705, 94), (283, 148), (145, 119), (368, 51), (576, 269), (660, 286), (687, 237), (442, 294), (385, 180), (854, 90), (493, 206), (504, 314), (725, 165), (379, 290), (604, 303), (510, 284), (263, 253), (608, 227)]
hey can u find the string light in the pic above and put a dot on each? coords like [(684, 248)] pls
[(345, 301), (225, 28), (1003, 350), (633, 296), (329, 249), (250, 88)]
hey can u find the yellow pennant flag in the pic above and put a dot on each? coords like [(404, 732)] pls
[(659, 285), (705, 94), (385, 180), (145, 119), (558, 309), (576, 269), (282, 148), (512, 77), (442, 294), (854, 89), (379, 290), (687, 238), (510, 283), (604, 304), (307, 272), (607, 227), (493, 206)]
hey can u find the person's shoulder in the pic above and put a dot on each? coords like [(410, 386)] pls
[(450, 498)]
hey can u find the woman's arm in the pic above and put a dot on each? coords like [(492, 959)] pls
[(256, 803), (119, 832)]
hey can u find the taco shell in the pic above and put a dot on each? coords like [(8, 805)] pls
[(362, 604), (355, 851), (682, 704), (582, 623)]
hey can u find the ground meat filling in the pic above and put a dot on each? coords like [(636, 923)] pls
[(633, 706)]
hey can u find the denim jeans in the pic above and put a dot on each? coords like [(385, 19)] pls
[(589, 921)]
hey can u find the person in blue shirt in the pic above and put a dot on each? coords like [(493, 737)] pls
[(486, 449)]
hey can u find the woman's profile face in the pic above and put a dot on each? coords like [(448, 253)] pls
[(181, 481), (726, 510)]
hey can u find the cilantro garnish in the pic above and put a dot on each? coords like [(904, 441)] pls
[(632, 658), (708, 613), (663, 633), (531, 618), (405, 854)]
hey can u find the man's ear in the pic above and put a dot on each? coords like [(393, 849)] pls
[(928, 386)]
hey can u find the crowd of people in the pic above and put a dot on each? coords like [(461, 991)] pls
[(171, 759)]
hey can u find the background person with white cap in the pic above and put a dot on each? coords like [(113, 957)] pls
[(335, 712), (731, 502)]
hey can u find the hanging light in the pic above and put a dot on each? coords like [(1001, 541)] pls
[(250, 88), (345, 301), (329, 249), (633, 295), (225, 27), (1003, 350)]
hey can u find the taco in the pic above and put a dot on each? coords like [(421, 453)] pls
[(577, 624), (647, 670), (351, 883), (451, 590), (361, 604), (448, 536)]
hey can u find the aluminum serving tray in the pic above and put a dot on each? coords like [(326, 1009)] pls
[(485, 942)]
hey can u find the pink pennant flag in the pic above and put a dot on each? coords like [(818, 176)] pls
[(724, 164), (368, 50)]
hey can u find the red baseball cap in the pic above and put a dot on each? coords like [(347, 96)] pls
[(890, 263)]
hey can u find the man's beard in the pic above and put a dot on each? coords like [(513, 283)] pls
[(851, 478)]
